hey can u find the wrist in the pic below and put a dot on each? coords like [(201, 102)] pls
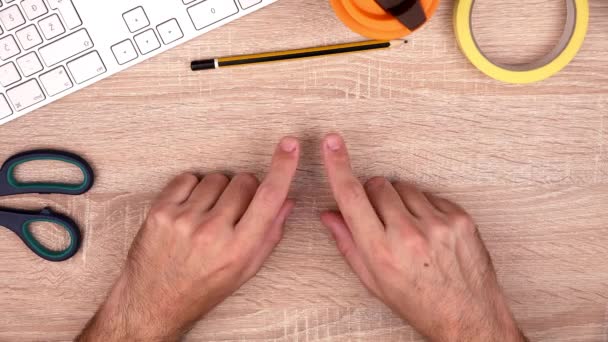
[(122, 317), (483, 331)]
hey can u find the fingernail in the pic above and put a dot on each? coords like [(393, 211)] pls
[(289, 144), (333, 142)]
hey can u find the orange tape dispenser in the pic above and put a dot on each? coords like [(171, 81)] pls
[(384, 19)]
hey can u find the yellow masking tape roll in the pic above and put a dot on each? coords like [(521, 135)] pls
[(577, 22)]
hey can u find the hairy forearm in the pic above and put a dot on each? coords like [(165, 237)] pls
[(122, 318), (104, 328), (474, 324), (485, 336), (480, 330)]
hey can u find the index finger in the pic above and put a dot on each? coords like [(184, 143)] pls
[(272, 193), (350, 195)]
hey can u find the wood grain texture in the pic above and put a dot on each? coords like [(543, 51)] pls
[(529, 162)]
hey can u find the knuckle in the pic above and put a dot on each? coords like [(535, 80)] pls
[(405, 221), (417, 242), (383, 259), (353, 191), (217, 177), (407, 190), (440, 231), (203, 239), (375, 184), (236, 259), (247, 180), (463, 223), (184, 223), (268, 193), (161, 214), (158, 209), (186, 177), (215, 218), (403, 186)]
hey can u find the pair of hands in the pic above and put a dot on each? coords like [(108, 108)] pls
[(203, 239)]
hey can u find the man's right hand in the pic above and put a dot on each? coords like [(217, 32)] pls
[(420, 254), (201, 241)]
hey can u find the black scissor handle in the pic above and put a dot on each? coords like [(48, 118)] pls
[(19, 222), (10, 186)]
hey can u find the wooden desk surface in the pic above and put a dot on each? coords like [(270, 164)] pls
[(529, 162)]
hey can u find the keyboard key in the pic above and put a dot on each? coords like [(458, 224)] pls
[(11, 18), (29, 37), (25, 95), (209, 12), (66, 47), (51, 26), (5, 108), (9, 74), (249, 3), (136, 19), (170, 31), (34, 8), (8, 47), (86, 67), (147, 41), (29, 64), (68, 12), (56, 81), (124, 52)]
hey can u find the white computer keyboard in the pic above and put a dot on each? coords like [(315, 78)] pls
[(52, 48)]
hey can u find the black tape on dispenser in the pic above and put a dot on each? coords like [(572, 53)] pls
[(409, 12)]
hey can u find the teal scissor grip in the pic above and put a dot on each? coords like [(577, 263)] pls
[(20, 221), (10, 186)]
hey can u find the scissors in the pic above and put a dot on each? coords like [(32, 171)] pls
[(19, 221)]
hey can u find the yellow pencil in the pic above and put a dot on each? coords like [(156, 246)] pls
[(293, 54)]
